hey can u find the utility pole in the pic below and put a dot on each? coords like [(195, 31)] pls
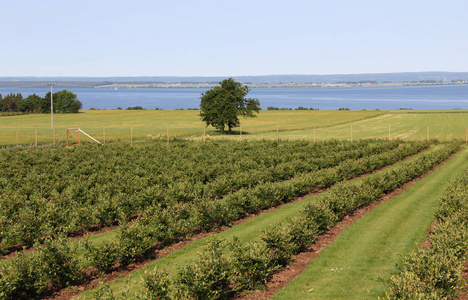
[(51, 107)]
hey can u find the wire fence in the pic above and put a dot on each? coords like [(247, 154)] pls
[(31, 137)]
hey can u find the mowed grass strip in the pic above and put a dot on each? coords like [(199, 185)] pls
[(352, 267), (246, 232)]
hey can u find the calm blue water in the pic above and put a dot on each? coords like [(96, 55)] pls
[(388, 98)]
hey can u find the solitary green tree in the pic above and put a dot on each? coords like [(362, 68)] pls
[(221, 106)]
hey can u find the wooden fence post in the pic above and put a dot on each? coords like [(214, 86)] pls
[(36, 138), (427, 133), (131, 136), (168, 136), (104, 135), (351, 133), (16, 138), (53, 133)]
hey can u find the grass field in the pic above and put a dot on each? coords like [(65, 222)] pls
[(121, 125)]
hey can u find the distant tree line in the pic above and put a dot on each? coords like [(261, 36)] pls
[(300, 108), (64, 102), (358, 82), (286, 108)]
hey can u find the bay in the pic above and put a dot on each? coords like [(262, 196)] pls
[(323, 98)]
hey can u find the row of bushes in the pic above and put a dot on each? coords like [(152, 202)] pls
[(166, 224), (26, 276), (80, 188), (436, 272), (217, 276)]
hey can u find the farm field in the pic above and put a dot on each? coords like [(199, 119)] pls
[(250, 231), (202, 187), (70, 216), (114, 125), (75, 189)]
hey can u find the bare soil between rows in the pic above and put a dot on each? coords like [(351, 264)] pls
[(278, 280), (464, 294)]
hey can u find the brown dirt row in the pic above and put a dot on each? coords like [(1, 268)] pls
[(464, 293)]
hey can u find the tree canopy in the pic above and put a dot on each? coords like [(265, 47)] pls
[(64, 102), (221, 105)]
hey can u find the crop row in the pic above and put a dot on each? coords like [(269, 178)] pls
[(436, 272), (166, 224), (69, 190), (216, 275)]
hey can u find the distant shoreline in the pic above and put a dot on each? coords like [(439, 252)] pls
[(278, 85), (260, 81), (188, 85)]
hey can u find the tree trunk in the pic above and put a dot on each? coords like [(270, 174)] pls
[(230, 130)]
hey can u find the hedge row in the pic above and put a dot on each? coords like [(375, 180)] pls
[(436, 272)]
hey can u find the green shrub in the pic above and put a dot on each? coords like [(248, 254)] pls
[(207, 277), (406, 286), (425, 272), (277, 242), (104, 256), (59, 260), (22, 278), (251, 265), (133, 242), (451, 237), (29, 225), (321, 215), (301, 232), (156, 285), (106, 211)]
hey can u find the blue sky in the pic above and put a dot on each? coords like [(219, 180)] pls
[(230, 38)]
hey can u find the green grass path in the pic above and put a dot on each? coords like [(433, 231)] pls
[(352, 267)]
